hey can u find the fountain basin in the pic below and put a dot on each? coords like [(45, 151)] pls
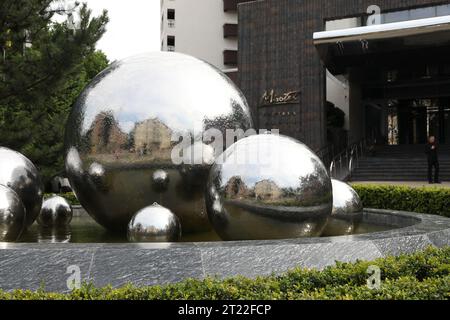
[(32, 265)]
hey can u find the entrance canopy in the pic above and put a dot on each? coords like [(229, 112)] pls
[(383, 43)]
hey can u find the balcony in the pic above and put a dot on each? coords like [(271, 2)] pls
[(231, 5), (230, 57), (230, 30)]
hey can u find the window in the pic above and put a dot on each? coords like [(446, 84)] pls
[(230, 57), (395, 16), (171, 18), (171, 14), (390, 17), (230, 30), (443, 10), (422, 13), (170, 43), (231, 5)]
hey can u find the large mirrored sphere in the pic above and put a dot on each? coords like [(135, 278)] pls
[(347, 210), (12, 215), (132, 124), (268, 187), (55, 212), (19, 174), (154, 224)]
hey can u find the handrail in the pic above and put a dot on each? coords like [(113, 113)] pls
[(326, 154), (343, 164)]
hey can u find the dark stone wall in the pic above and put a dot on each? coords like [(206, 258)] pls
[(276, 51)]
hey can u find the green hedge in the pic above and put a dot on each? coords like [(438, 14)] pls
[(423, 275), (431, 200)]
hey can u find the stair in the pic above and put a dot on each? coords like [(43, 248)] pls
[(400, 163)]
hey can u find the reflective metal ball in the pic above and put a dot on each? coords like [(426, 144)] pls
[(12, 215), (56, 211), (129, 123), (347, 210), (154, 224), (160, 180), (268, 187), (19, 174)]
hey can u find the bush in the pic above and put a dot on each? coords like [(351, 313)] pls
[(431, 200), (423, 275)]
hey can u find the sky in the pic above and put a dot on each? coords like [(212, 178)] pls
[(134, 26)]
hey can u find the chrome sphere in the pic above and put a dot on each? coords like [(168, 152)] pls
[(268, 187), (56, 211), (19, 174), (126, 126), (12, 215), (154, 224), (347, 210), (160, 180)]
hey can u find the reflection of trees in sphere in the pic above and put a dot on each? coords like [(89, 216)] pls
[(268, 187), (154, 224), (19, 174), (124, 126), (12, 215), (347, 210), (56, 211)]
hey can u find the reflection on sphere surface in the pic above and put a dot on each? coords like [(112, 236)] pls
[(124, 127), (268, 187)]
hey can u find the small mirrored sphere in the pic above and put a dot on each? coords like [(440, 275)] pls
[(130, 127), (347, 210), (154, 224), (268, 187), (12, 215), (160, 180), (19, 174), (56, 211)]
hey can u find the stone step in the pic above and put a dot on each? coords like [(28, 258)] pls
[(400, 163)]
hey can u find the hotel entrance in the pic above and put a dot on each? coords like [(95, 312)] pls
[(398, 76), (412, 121)]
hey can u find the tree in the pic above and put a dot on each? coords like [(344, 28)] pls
[(45, 67), (56, 48)]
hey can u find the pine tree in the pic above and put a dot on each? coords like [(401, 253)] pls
[(43, 68)]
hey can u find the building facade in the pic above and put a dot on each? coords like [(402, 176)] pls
[(388, 70), (206, 29)]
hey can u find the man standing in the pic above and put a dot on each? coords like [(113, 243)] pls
[(433, 161)]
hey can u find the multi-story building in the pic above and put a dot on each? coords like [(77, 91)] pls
[(390, 63), (206, 29)]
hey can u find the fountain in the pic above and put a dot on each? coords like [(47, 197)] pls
[(161, 191)]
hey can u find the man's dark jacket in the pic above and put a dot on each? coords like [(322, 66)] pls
[(432, 154)]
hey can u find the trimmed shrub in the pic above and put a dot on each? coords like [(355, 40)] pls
[(423, 275), (431, 200)]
